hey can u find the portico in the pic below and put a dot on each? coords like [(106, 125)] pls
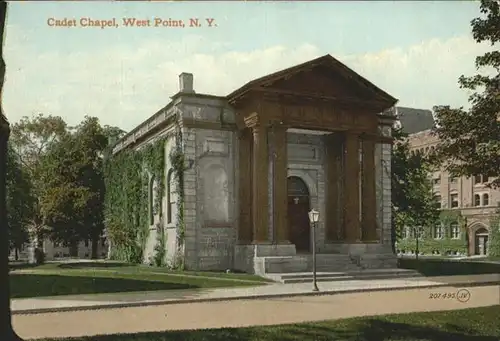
[(322, 98)]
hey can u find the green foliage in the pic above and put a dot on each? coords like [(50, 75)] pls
[(160, 250), (413, 202), (128, 175), (494, 243), (73, 203), (19, 200), (469, 140), (30, 139), (127, 178), (428, 245), (178, 162)]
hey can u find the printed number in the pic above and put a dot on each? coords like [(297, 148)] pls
[(442, 296)]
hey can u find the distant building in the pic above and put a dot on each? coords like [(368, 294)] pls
[(467, 196), (55, 251)]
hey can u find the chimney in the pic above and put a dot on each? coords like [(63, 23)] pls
[(186, 83)]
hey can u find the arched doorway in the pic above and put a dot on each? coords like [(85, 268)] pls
[(298, 219), (481, 242)]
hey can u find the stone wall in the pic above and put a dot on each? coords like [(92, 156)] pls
[(209, 188)]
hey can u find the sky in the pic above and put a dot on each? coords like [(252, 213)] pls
[(413, 50)]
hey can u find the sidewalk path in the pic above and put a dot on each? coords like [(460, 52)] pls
[(244, 313), (275, 290)]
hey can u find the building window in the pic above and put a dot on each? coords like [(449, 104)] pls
[(486, 199), (438, 201), (171, 196), (455, 231), (437, 181), (439, 231), (452, 180), (454, 200), (86, 243), (477, 200), (480, 179)]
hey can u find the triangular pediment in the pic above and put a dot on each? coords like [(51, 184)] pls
[(324, 77), (319, 81)]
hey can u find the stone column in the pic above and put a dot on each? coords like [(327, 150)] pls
[(280, 185), (333, 146), (259, 183), (245, 186), (352, 223), (369, 192)]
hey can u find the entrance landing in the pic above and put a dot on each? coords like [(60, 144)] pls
[(331, 263)]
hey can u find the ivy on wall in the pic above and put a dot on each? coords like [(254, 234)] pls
[(160, 249), (178, 162), (127, 211), (445, 246), (494, 243)]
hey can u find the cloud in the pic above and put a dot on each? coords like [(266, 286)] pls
[(123, 85)]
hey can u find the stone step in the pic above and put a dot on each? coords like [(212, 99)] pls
[(344, 276), (303, 263), (367, 272)]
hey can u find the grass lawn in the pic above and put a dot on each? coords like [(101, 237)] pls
[(53, 279), (478, 324), (448, 267)]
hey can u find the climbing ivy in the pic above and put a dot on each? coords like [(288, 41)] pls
[(445, 246), (160, 250), (494, 244), (127, 176), (178, 162)]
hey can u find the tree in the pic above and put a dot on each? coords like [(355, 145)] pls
[(470, 139), (19, 201), (413, 202), (74, 204), (30, 139)]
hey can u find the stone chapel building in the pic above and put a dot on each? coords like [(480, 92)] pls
[(316, 135)]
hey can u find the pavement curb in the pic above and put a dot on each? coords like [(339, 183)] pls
[(242, 298)]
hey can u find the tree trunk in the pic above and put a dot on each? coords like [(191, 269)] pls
[(95, 244), (416, 245), (73, 249), (16, 254)]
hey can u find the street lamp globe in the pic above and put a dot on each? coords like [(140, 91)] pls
[(313, 216)]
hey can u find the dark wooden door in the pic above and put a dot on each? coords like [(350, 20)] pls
[(298, 218)]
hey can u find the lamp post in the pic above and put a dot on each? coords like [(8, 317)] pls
[(313, 219)]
